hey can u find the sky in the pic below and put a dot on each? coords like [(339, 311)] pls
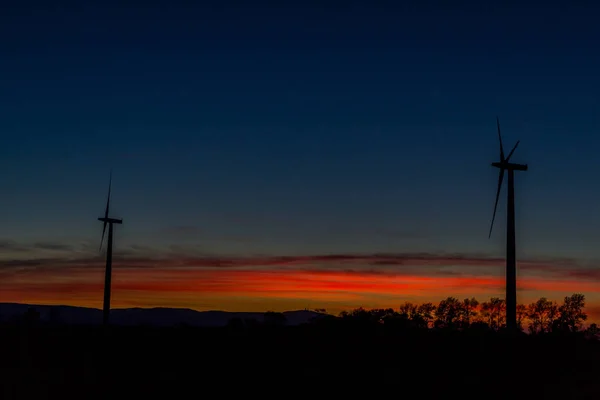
[(284, 155)]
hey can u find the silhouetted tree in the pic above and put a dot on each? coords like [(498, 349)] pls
[(425, 315), (571, 314), (468, 310), (499, 306), (405, 317), (494, 313), (389, 318), (408, 310), (542, 315), (379, 314), (447, 313), (358, 316), (361, 316), (521, 315)]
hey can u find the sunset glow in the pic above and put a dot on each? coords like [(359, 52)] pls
[(282, 283)]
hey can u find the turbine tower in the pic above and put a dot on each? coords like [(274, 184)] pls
[(108, 271), (511, 262)]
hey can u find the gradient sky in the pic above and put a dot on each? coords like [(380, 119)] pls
[(239, 134)]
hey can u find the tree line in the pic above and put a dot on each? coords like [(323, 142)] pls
[(541, 316)]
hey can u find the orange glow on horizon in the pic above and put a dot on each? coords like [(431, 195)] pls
[(235, 289)]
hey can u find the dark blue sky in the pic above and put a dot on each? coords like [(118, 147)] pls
[(288, 129)]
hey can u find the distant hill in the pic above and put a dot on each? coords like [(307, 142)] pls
[(159, 317)]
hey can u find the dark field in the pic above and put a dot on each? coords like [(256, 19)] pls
[(84, 362)]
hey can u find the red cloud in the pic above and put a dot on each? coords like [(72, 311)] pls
[(414, 259)]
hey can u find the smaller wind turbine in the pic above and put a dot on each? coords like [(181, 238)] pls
[(108, 271), (511, 259)]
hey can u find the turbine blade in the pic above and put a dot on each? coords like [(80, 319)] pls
[(102, 239), (513, 150), (500, 178), (500, 139), (108, 198), (107, 208)]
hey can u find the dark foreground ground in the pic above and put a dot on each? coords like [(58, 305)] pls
[(288, 362)]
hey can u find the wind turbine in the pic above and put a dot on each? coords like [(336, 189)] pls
[(511, 263), (108, 271)]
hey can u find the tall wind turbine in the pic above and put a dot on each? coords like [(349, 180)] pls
[(511, 263), (108, 272)]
